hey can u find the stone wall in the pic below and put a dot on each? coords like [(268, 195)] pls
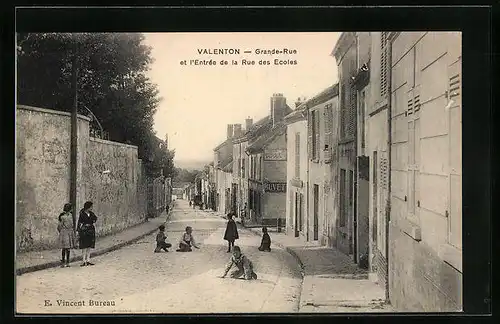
[(43, 139), (421, 281), (114, 193)]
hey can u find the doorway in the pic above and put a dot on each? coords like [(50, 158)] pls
[(316, 211), (297, 213)]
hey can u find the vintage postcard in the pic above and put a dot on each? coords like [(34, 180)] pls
[(238, 172)]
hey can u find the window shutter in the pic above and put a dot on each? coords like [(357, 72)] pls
[(297, 155), (328, 117), (352, 112), (316, 133), (343, 119), (455, 154), (384, 65), (309, 135)]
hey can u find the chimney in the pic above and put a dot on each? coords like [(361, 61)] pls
[(166, 141), (248, 123), (278, 108), (229, 131), (237, 130)]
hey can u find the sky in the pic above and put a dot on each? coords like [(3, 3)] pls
[(198, 101)]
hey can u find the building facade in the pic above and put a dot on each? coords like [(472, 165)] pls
[(297, 172), (223, 165), (425, 228), (345, 53), (320, 199)]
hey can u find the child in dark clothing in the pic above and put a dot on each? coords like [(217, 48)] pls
[(160, 240), (231, 233), (265, 244)]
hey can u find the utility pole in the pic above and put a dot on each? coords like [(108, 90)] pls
[(74, 133)]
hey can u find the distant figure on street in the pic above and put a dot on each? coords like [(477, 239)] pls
[(243, 264), (187, 240), (265, 244), (160, 240), (86, 230), (190, 202), (167, 208), (231, 233), (67, 235)]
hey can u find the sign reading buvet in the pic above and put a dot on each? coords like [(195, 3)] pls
[(275, 155), (275, 186)]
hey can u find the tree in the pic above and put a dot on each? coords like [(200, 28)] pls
[(112, 83)]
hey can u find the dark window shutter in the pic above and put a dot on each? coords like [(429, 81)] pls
[(297, 155), (384, 65), (310, 135), (352, 112)]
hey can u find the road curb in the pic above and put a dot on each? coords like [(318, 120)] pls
[(54, 264)]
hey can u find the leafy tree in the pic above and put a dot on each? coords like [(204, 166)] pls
[(112, 83)]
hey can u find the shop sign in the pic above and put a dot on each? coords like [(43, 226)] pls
[(275, 187)]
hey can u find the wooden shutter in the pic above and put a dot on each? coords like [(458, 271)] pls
[(328, 118), (352, 111), (316, 134), (384, 65), (455, 154), (297, 155), (413, 117), (310, 121), (343, 111)]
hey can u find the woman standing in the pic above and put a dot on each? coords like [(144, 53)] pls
[(66, 234), (86, 230), (231, 233)]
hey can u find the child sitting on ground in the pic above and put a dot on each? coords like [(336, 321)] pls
[(160, 240), (187, 240), (265, 244), (243, 264)]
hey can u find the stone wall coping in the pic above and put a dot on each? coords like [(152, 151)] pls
[(99, 140), (410, 229), (51, 111)]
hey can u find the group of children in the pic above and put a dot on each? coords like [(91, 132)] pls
[(243, 264), (185, 243)]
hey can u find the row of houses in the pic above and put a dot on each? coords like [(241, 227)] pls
[(370, 166)]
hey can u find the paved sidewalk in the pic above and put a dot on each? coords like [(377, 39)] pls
[(39, 260), (332, 282)]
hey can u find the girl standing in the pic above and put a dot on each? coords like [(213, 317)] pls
[(86, 230), (231, 233), (66, 234)]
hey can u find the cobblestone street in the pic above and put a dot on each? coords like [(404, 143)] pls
[(140, 281)]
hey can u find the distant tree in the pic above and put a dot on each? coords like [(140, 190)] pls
[(112, 81)]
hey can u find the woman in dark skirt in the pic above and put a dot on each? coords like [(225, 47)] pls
[(231, 233), (86, 231)]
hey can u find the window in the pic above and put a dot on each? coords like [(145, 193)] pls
[(315, 134), (260, 168), (328, 118), (243, 160), (362, 105), (384, 64), (413, 116), (343, 209), (297, 155)]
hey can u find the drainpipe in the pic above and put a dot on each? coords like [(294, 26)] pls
[(389, 150)]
